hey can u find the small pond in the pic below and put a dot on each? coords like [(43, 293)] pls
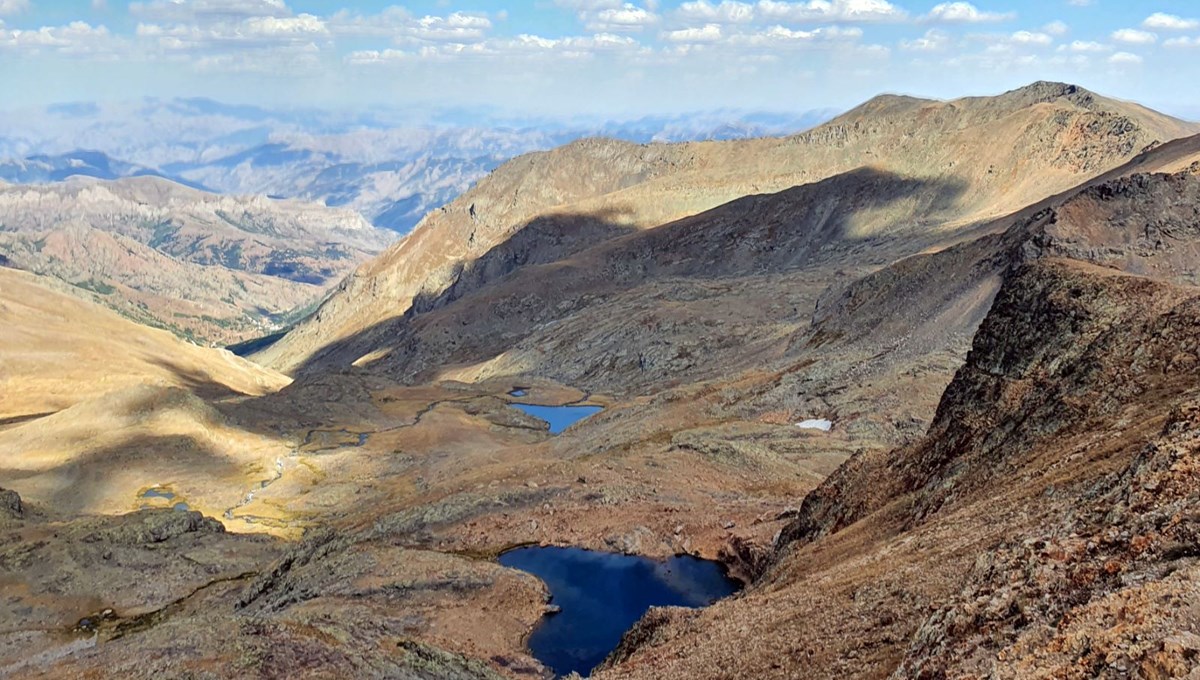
[(157, 492), (559, 417), (601, 596), (165, 494)]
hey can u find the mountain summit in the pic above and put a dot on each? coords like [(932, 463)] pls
[(964, 161)]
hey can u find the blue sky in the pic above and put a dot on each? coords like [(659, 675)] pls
[(591, 57)]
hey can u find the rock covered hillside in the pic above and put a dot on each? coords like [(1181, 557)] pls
[(213, 268), (1044, 525)]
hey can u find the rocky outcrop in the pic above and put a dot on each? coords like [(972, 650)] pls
[(1044, 602), (148, 526), (1141, 224), (10, 505)]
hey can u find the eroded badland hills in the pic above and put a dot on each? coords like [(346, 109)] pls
[(993, 301)]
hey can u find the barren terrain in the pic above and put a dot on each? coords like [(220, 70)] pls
[(993, 301)]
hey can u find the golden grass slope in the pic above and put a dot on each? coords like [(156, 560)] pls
[(57, 350), (95, 409)]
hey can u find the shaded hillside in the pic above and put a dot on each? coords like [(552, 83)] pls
[(214, 268), (94, 408), (1054, 137)]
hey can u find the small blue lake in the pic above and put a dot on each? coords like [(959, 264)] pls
[(559, 417), (601, 596), (159, 492)]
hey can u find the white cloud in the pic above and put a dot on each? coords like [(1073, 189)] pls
[(964, 13), (829, 10), (522, 46), (588, 5), (627, 17), (304, 24), (934, 40), (1182, 42), (1132, 36), (572, 45), (780, 36), (1031, 38), (1124, 59), (1057, 28), (1170, 22), (8, 7), (458, 27), (728, 12), (388, 23), (185, 11), (1085, 46), (252, 32), (1081, 3), (76, 38), (705, 34)]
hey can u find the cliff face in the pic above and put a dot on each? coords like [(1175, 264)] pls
[(1144, 225), (1083, 388)]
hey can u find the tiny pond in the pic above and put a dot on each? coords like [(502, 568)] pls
[(559, 417), (601, 595), (165, 494)]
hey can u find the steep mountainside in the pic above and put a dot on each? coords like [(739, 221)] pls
[(1044, 526), (939, 163), (215, 268)]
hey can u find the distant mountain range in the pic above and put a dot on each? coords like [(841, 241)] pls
[(215, 269), (392, 167)]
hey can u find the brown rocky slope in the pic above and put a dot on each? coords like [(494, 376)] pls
[(1045, 526)]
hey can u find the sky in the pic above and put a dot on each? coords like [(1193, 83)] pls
[(591, 57)]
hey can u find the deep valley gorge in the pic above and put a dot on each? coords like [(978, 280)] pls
[(911, 394)]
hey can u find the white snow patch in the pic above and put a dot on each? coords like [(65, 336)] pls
[(816, 424)]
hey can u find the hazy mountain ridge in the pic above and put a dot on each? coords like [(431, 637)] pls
[(217, 268), (390, 167)]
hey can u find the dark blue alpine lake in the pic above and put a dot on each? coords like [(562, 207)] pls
[(559, 417), (603, 594)]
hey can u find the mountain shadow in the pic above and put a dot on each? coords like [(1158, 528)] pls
[(557, 267)]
